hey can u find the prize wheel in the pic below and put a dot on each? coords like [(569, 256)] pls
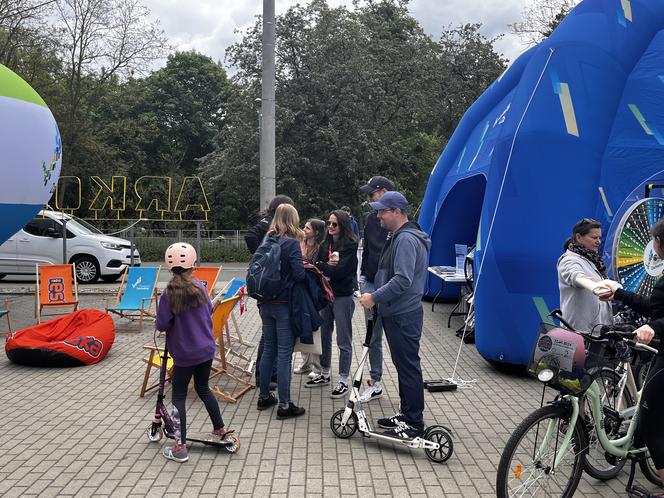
[(635, 264)]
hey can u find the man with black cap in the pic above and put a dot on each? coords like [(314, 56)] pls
[(374, 239), (399, 282)]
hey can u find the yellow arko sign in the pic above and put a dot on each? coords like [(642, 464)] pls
[(152, 195)]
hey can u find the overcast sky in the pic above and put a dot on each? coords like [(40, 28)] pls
[(209, 26)]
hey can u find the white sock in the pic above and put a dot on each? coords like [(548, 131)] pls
[(343, 380)]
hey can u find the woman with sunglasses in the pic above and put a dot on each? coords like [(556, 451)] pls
[(338, 261), (582, 264)]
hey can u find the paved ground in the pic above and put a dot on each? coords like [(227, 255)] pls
[(80, 431)]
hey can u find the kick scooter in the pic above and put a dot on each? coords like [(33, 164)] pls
[(436, 441), (171, 428)]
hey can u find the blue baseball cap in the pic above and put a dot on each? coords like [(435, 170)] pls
[(391, 200)]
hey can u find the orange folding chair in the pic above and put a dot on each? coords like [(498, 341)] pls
[(56, 288), (208, 275), (220, 366)]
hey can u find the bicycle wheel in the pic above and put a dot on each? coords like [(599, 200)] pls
[(600, 464), (526, 466)]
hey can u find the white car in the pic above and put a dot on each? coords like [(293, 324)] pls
[(40, 242)]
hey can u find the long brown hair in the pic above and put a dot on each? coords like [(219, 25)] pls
[(184, 292), (310, 252), (347, 236), (286, 223)]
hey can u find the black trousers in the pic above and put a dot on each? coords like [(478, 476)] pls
[(652, 411), (180, 381)]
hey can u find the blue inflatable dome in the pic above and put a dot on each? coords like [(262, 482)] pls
[(573, 129)]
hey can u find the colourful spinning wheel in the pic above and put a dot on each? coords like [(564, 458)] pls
[(635, 264)]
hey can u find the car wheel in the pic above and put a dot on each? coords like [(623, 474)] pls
[(111, 278), (87, 270)]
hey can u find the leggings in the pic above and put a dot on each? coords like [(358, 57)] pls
[(180, 381), (652, 410)]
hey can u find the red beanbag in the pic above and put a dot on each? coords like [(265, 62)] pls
[(80, 338)]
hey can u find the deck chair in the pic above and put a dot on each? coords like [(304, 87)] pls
[(232, 288), (154, 360), (138, 290), (208, 275), (220, 366), (5, 312), (56, 288)]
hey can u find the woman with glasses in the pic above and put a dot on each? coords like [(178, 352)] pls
[(581, 262), (338, 261)]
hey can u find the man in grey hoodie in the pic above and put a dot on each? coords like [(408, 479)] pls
[(399, 284)]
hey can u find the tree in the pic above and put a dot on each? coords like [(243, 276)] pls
[(101, 40), (359, 93), (540, 18)]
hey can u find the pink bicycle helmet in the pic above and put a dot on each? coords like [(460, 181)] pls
[(180, 255)]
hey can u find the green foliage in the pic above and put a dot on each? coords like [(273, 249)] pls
[(153, 249), (359, 93)]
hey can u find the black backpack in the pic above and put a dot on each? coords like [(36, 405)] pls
[(264, 273)]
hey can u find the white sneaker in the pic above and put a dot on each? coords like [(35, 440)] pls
[(304, 369), (374, 391)]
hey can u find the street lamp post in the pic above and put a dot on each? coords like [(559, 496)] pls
[(267, 112)]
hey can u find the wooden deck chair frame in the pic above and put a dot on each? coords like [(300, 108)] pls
[(220, 365), (154, 360), (140, 312), (70, 270), (238, 335), (211, 282), (6, 313)]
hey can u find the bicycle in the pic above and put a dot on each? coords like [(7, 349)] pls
[(546, 453)]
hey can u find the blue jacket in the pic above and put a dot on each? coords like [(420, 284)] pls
[(402, 271), (306, 300)]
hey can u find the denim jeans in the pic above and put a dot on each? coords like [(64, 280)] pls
[(340, 312), (376, 344), (180, 382), (403, 332), (278, 342)]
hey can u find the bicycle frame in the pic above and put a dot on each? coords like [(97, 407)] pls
[(618, 447)]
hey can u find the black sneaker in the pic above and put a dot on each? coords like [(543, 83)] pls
[(290, 412), (319, 380), (391, 422), (339, 391), (262, 404), (404, 431)]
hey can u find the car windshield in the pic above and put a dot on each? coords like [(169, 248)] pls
[(79, 226)]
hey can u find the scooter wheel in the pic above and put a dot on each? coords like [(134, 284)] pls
[(347, 430), (442, 436), (232, 448), (154, 436)]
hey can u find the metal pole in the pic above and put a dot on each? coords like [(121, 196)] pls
[(267, 152), (131, 246), (198, 241), (64, 241)]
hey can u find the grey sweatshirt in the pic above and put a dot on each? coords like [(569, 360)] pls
[(581, 308), (402, 271)]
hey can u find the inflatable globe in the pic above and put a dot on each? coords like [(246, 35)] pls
[(573, 129), (31, 153)]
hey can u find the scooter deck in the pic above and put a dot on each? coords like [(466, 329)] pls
[(445, 385), (208, 442)]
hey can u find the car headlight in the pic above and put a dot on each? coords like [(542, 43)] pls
[(111, 245)]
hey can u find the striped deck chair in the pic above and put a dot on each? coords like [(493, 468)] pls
[(138, 290), (208, 275), (220, 365), (56, 288)]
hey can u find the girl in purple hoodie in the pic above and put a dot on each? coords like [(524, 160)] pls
[(185, 314)]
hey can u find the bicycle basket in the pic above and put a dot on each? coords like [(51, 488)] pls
[(563, 352)]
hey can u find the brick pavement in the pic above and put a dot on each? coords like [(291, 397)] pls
[(80, 431)]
